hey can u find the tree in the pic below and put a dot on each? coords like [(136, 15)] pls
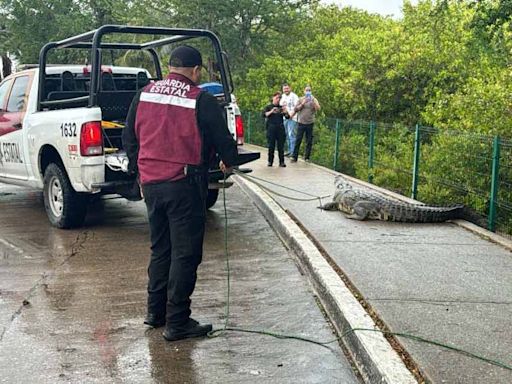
[(343, 54), (6, 66), (30, 24), (248, 29), (5, 61)]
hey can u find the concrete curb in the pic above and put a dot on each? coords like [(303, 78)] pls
[(374, 357)]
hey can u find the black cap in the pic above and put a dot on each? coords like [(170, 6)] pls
[(185, 56)]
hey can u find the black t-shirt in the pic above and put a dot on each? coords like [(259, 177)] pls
[(274, 118)]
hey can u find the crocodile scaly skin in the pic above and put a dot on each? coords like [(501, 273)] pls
[(365, 204)]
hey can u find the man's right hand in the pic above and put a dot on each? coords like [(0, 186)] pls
[(226, 170)]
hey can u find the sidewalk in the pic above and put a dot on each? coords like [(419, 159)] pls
[(437, 281)]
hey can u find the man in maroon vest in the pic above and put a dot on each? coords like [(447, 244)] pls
[(172, 130)]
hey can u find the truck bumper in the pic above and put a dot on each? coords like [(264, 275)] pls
[(128, 188), (216, 176), (245, 156)]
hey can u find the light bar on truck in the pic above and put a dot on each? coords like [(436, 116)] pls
[(87, 69)]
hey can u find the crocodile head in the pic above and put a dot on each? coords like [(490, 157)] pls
[(342, 184)]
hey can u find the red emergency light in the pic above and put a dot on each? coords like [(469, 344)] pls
[(87, 69)]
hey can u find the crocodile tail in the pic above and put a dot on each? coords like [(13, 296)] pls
[(473, 216), (425, 214)]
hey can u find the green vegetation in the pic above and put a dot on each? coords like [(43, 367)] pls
[(446, 64)]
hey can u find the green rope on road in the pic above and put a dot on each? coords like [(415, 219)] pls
[(276, 184), (433, 342), (273, 192), (218, 332)]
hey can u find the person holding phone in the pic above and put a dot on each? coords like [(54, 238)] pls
[(306, 109), (273, 114)]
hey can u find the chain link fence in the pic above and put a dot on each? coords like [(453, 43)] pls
[(435, 166)]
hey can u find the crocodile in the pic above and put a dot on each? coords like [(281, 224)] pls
[(363, 204)]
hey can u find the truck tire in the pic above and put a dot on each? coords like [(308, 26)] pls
[(211, 199), (64, 207)]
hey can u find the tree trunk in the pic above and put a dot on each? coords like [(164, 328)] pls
[(6, 69)]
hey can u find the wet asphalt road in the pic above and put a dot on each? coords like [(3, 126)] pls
[(72, 302)]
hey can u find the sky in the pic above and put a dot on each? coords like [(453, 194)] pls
[(383, 7)]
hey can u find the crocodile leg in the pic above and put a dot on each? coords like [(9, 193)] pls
[(332, 206), (361, 211)]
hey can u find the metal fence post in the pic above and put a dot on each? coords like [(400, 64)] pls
[(337, 145), (249, 128), (494, 183), (371, 154), (416, 164)]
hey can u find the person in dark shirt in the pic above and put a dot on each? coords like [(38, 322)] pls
[(172, 130), (274, 114)]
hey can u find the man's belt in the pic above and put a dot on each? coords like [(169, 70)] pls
[(194, 170)]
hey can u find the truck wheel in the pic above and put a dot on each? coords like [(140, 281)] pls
[(65, 207), (211, 199)]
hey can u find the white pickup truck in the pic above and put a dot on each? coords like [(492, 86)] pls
[(60, 126)]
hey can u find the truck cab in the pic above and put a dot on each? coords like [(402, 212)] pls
[(61, 125), (14, 92)]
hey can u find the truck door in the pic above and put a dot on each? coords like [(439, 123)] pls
[(12, 111)]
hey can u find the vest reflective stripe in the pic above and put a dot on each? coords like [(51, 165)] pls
[(167, 130), (168, 99)]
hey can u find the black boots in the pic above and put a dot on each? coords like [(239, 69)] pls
[(190, 329), (154, 320)]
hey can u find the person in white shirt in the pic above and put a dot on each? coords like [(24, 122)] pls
[(289, 101)]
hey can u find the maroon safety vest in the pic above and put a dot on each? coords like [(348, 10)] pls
[(166, 128)]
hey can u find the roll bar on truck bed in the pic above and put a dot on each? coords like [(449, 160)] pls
[(93, 40)]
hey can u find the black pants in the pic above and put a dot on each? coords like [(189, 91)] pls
[(176, 213), (276, 133), (308, 129)]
